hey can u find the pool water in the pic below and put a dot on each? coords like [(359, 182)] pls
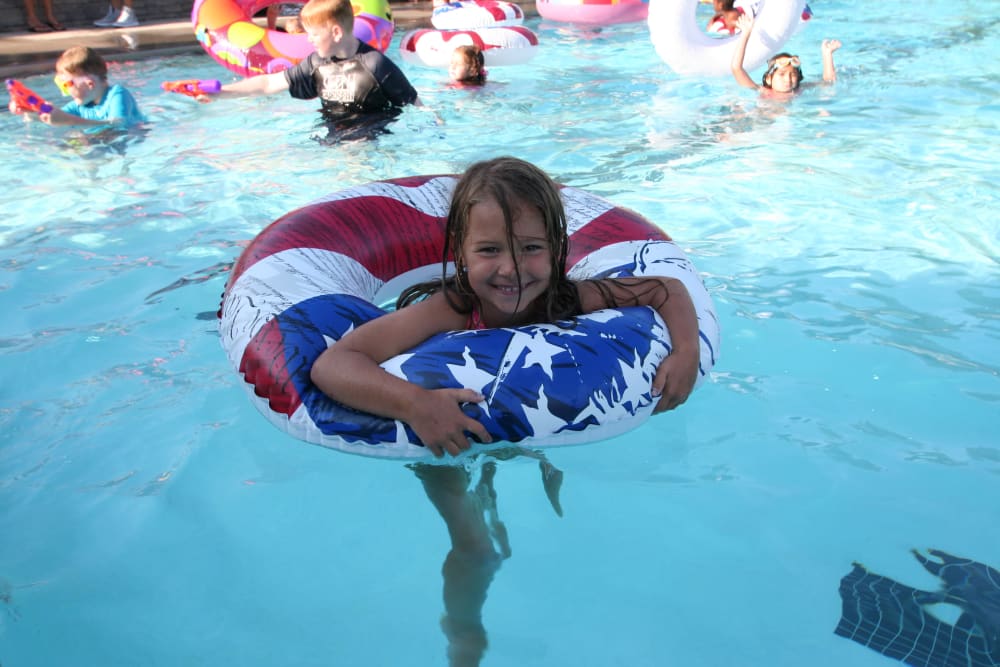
[(150, 516)]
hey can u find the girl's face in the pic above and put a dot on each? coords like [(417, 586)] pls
[(784, 79), (492, 265), (459, 69), (785, 75)]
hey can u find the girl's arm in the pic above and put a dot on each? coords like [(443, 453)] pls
[(349, 373), (745, 23), (677, 373), (829, 71)]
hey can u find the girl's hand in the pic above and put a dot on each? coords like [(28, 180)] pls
[(745, 23), (439, 422), (675, 378), (830, 45)]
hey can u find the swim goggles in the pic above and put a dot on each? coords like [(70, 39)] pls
[(783, 61), (64, 84)]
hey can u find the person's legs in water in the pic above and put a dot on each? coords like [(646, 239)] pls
[(470, 564), (479, 542), (488, 500), (552, 477)]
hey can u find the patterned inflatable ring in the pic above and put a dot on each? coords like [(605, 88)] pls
[(594, 12), (319, 271), (689, 50), (227, 32), (511, 45), (472, 14)]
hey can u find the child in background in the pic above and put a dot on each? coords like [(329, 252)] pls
[(784, 71), (726, 16), (467, 66), (506, 229), (82, 74), (349, 76)]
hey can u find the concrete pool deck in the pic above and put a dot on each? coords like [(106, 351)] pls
[(26, 54)]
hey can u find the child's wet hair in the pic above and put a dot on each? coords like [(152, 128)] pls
[(475, 60), (773, 66), (78, 60), (322, 12)]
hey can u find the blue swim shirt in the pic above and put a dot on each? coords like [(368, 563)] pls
[(117, 107)]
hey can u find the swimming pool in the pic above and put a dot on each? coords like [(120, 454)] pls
[(151, 516)]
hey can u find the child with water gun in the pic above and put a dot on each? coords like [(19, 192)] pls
[(82, 74)]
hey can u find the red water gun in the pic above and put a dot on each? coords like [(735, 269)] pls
[(199, 89), (27, 99)]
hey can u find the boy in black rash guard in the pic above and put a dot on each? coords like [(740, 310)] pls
[(351, 79)]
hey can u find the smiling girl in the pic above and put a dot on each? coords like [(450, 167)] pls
[(506, 229)]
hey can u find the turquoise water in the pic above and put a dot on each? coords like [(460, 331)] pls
[(150, 516)]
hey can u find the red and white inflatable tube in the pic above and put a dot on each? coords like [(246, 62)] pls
[(682, 43), (510, 45), (474, 14)]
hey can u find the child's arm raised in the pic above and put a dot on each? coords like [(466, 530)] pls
[(745, 23), (349, 372), (677, 373), (829, 71)]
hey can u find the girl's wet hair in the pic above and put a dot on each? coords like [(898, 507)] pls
[(776, 62), (473, 56)]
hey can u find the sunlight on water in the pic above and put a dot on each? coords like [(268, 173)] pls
[(849, 238)]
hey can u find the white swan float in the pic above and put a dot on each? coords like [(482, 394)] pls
[(685, 46)]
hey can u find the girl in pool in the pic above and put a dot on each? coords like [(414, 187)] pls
[(506, 228), (467, 66), (784, 71)]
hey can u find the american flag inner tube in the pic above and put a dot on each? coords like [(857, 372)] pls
[(325, 268)]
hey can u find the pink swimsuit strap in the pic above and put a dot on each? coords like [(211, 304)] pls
[(475, 320)]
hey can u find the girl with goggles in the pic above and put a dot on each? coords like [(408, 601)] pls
[(784, 71)]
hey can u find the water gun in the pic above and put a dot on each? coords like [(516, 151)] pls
[(199, 89), (26, 98)]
